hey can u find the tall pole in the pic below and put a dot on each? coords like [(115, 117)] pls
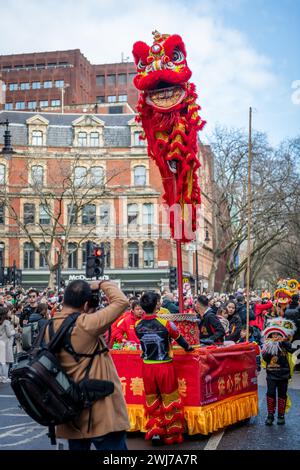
[(14, 274), (197, 272), (62, 99), (249, 210), (178, 233)]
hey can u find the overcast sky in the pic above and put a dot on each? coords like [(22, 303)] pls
[(241, 52)]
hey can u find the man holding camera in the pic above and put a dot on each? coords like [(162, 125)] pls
[(105, 424)]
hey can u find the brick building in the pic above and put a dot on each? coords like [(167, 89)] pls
[(47, 80), (79, 177)]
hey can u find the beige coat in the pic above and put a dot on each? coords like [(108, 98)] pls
[(109, 414)]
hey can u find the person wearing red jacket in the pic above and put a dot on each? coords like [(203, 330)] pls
[(124, 330), (260, 311)]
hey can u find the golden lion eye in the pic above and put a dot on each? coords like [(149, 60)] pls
[(177, 56), (141, 65)]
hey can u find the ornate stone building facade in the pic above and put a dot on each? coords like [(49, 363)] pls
[(75, 178)]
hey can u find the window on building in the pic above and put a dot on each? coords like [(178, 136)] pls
[(37, 138), (111, 98), (44, 217), (36, 85), (107, 255), (80, 176), (137, 142), (59, 83), (100, 80), (55, 102), (111, 80), (133, 255), (40, 66), (132, 214), (139, 173), (2, 254), (104, 214), (51, 65), (24, 86), (97, 176), (8, 106), (37, 175), (94, 139), (28, 251), (29, 66), (131, 77), (89, 214), (20, 105), (72, 256), (122, 79), (72, 214), (148, 214), (100, 99), (29, 213), (2, 214), (115, 110), (123, 98), (82, 139), (48, 84), (44, 104), (148, 254), (44, 248), (2, 174), (13, 86), (32, 104)]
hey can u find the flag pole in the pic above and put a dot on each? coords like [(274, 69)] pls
[(249, 210)]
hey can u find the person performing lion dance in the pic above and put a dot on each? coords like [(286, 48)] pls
[(168, 112)]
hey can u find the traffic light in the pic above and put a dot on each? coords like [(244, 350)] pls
[(173, 279), (95, 262)]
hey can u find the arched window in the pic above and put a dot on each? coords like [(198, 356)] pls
[(107, 255), (148, 254), (37, 175), (2, 174), (80, 176), (73, 256), (132, 214), (139, 176), (37, 138), (133, 255), (82, 139), (89, 214), (94, 139), (104, 214), (97, 176), (29, 262), (44, 248), (2, 254), (148, 214)]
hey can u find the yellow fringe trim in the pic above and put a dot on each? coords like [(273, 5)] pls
[(205, 419)]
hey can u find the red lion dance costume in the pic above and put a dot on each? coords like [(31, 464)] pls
[(168, 112)]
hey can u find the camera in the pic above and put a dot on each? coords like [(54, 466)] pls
[(94, 299)]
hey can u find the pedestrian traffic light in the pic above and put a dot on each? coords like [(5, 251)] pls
[(173, 279), (95, 262)]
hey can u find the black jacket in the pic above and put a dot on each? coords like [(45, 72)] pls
[(171, 306), (27, 311), (293, 313), (210, 327), (235, 328), (241, 309), (277, 366), (37, 317)]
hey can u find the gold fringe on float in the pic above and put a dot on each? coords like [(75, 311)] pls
[(208, 418)]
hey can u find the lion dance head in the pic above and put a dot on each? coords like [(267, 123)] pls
[(168, 112)]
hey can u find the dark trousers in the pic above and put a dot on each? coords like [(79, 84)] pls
[(280, 385), (111, 441)]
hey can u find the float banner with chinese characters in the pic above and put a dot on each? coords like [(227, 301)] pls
[(205, 376)]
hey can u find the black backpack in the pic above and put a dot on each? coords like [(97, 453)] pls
[(43, 388)]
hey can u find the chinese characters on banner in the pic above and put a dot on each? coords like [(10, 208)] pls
[(204, 376)]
